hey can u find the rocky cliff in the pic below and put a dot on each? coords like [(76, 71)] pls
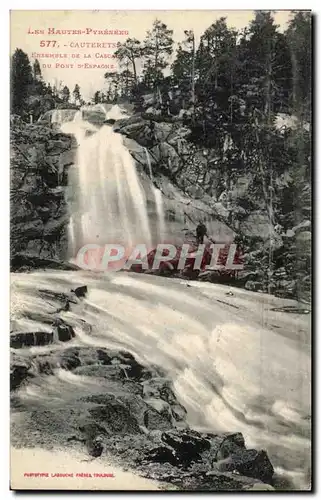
[(40, 158)]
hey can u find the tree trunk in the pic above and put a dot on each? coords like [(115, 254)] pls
[(156, 64), (193, 74), (134, 69), (127, 82)]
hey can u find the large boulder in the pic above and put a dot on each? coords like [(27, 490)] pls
[(252, 463), (136, 129), (188, 444), (63, 331), (29, 339), (96, 114)]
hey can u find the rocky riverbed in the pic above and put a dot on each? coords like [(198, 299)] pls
[(129, 412), (81, 381)]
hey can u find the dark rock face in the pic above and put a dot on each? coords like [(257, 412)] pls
[(61, 332), (49, 118), (250, 463), (162, 454), (19, 371), (80, 291), (188, 442), (22, 262), (64, 331), (192, 452), (163, 146), (225, 444), (69, 359), (40, 157), (28, 339)]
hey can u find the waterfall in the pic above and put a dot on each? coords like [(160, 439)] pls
[(61, 116), (158, 201), (71, 235), (108, 200), (150, 171), (56, 117), (78, 116), (160, 213)]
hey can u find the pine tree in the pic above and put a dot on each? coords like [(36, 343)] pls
[(299, 40), (76, 94), (127, 82), (97, 97), (114, 85), (21, 78), (65, 94), (36, 70), (158, 46), (216, 60), (266, 68), (215, 86), (54, 91), (183, 67), (129, 52)]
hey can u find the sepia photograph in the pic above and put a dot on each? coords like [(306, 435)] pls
[(160, 250)]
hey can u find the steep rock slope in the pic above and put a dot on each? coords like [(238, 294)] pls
[(40, 158)]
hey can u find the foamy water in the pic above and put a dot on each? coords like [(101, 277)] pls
[(158, 202), (236, 365), (109, 203)]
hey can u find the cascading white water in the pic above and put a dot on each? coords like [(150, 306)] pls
[(225, 362), (160, 213), (158, 202), (109, 203), (60, 116), (78, 116)]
